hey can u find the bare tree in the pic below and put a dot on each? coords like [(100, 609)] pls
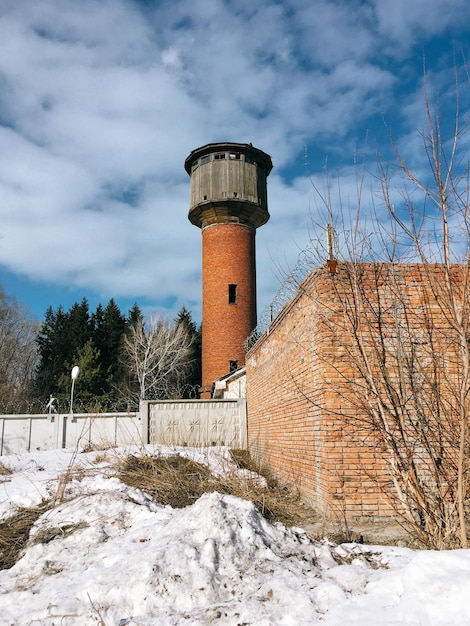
[(400, 322), (449, 245), (158, 355), (393, 362), (18, 354)]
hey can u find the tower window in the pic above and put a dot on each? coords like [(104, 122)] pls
[(219, 155), (234, 155), (232, 294), (233, 365), (205, 159)]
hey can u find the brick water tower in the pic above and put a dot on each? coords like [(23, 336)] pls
[(228, 201)]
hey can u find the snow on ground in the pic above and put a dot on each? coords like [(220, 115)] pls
[(109, 555)]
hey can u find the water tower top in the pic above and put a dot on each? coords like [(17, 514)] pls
[(245, 148), (228, 184)]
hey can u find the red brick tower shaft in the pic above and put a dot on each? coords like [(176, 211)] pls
[(228, 202), (228, 297)]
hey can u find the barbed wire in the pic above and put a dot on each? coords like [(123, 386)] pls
[(287, 290), (39, 406)]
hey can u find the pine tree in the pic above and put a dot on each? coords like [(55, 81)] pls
[(134, 317), (128, 388), (78, 325), (192, 380), (94, 343), (59, 341), (88, 395), (109, 326), (54, 350)]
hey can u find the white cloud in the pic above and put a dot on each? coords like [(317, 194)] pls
[(406, 23), (101, 101)]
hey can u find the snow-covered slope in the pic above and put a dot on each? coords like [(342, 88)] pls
[(110, 555)]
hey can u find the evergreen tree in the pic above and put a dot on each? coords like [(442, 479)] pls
[(97, 333), (114, 327), (78, 326), (54, 350), (109, 326), (193, 378), (59, 341), (94, 343), (88, 395), (128, 384), (134, 317)]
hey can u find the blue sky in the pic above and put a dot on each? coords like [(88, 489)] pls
[(101, 101)]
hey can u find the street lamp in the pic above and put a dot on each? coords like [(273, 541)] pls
[(75, 373)]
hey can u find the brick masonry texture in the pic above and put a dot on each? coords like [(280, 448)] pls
[(228, 257), (305, 418)]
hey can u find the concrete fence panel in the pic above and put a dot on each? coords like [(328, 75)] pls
[(196, 422), (102, 430), (191, 422), (25, 433)]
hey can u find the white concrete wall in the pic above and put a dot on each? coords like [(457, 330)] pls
[(231, 387), (190, 422), (197, 423), (236, 388), (25, 433)]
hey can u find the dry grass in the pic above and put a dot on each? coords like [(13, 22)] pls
[(277, 502), (4, 471), (15, 530), (179, 482), (174, 480), (46, 535), (14, 533)]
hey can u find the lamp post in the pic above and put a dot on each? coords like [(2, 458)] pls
[(75, 373)]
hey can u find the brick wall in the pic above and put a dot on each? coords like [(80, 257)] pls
[(306, 415)]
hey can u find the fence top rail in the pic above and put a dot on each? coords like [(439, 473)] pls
[(17, 416), (193, 401)]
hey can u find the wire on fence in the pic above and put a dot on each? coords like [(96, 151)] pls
[(284, 294)]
